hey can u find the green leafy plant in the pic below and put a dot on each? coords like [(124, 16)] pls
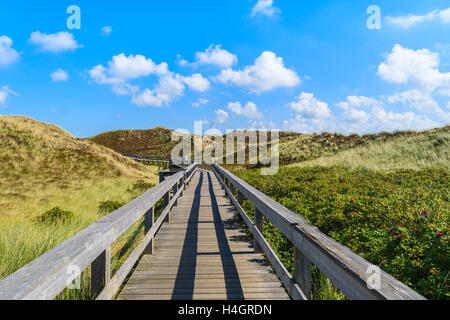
[(109, 206), (398, 220), (55, 216), (140, 186)]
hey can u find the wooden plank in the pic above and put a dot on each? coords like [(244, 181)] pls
[(217, 258), (195, 290), (164, 284), (279, 268), (208, 296)]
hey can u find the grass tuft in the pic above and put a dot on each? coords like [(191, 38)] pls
[(55, 216)]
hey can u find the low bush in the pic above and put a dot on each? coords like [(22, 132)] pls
[(140, 186), (397, 220), (107, 207), (55, 216)]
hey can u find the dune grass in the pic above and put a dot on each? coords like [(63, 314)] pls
[(428, 150), (43, 167)]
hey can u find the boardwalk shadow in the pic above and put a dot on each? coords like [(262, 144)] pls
[(231, 275), (185, 281)]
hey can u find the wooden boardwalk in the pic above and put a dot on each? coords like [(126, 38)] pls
[(203, 253)]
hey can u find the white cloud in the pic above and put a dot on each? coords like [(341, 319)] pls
[(122, 69), (378, 119), (196, 82), (266, 74), (375, 120), (55, 42), (168, 89), (5, 94), (354, 115), (445, 15), (7, 54), (106, 31), (309, 107), (200, 102), (262, 125), (124, 89), (59, 75), (419, 67), (220, 116), (215, 55), (390, 121), (303, 125), (250, 110), (419, 99), (265, 8), (410, 20), (357, 102), (444, 92)]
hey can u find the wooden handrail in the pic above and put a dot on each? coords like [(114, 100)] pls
[(145, 158), (48, 275), (347, 270)]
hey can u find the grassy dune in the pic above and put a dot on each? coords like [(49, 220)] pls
[(43, 167), (154, 142), (429, 149), (385, 196)]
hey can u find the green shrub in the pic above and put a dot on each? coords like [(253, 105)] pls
[(140, 186), (55, 216), (107, 207)]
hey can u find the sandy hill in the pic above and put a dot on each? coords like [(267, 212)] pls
[(37, 156), (154, 142)]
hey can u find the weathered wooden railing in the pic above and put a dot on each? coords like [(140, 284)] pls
[(48, 275), (348, 271), (145, 158), (157, 161)]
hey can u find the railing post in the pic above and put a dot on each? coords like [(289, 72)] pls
[(100, 272), (259, 223), (166, 203), (223, 179), (232, 189), (226, 184), (149, 221), (183, 184), (302, 272), (240, 198), (175, 190)]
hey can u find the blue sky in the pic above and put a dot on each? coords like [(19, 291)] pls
[(307, 66)]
